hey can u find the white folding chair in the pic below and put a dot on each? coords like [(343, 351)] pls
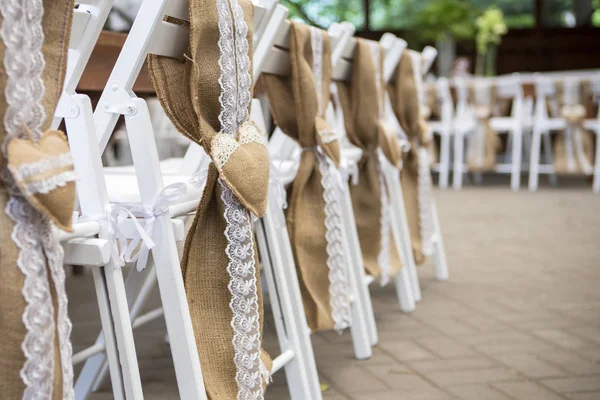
[(286, 153), (118, 99), (443, 128), (593, 124), (508, 88), (117, 339), (439, 253), (543, 124)]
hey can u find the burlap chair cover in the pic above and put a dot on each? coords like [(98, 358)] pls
[(484, 144), (405, 98), (573, 147), (207, 97), (298, 105), (45, 379), (362, 105)]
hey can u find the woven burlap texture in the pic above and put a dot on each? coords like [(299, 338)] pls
[(360, 104), (295, 108), (57, 28), (189, 90)]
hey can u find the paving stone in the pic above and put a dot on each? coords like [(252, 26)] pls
[(400, 378), (577, 384), (405, 350), (569, 361), (432, 394), (452, 365), (563, 339), (451, 378), (526, 391), (445, 347), (353, 380), (530, 365), (584, 396), (477, 392)]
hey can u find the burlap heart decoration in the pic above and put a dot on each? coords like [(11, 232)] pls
[(43, 171), (232, 157)]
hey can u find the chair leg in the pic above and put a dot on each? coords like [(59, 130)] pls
[(404, 234), (403, 280), (515, 178), (357, 269), (165, 255), (87, 376), (459, 144), (596, 184), (534, 160), (138, 285), (439, 253), (290, 322), (444, 159), (548, 156)]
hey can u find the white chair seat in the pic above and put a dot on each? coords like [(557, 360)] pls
[(170, 166), (123, 188)]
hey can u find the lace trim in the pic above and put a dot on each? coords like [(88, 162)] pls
[(23, 37), (227, 78), (244, 297), (28, 170), (339, 288), (242, 51), (235, 81), (224, 145), (425, 203), (383, 259), (316, 42), (47, 185)]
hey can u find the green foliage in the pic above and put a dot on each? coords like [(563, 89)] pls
[(322, 13), (438, 18), (490, 29)]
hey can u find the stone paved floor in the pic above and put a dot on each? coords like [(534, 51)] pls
[(519, 318)]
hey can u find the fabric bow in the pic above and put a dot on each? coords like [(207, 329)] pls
[(168, 196)]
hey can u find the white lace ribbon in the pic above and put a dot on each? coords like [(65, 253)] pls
[(278, 193), (383, 259), (339, 288), (235, 81), (425, 194)]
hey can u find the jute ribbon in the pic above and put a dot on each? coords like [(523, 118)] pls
[(207, 97), (573, 148), (35, 351), (298, 105), (407, 99), (362, 103)]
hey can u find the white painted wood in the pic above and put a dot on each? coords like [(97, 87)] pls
[(86, 251), (93, 201)]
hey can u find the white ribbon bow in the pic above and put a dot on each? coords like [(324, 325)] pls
[(166, 197), (278, 193)]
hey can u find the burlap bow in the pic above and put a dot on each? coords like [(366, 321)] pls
[(298, 105), (207, 96), (573, 147), (362, 103), (483, 144), (35, 350), (405, 96)]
